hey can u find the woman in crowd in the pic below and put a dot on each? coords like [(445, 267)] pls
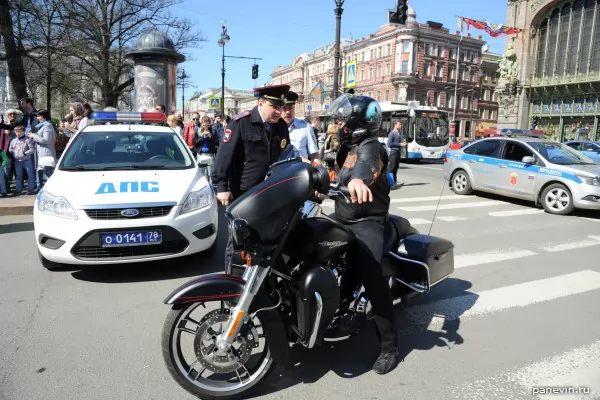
[(45, 140)]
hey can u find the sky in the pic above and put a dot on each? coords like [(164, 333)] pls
[(277, 31)]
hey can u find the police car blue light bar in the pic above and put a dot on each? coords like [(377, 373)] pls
[(128, 116)]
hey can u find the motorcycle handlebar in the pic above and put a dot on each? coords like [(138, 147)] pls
[(337, 190)]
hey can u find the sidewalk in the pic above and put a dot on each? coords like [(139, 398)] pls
[(22, 205)]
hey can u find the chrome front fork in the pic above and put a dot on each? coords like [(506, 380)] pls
[(254, 277)]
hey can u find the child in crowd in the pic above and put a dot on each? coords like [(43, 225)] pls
[(23, 148)]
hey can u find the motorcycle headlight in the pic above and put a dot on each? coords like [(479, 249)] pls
[(595, 181), (197, 200), (56, 206)]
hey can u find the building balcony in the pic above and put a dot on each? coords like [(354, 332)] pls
[(404, 77)]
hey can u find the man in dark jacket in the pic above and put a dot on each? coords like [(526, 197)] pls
[(251, 142), (363, 162), (394, 143)]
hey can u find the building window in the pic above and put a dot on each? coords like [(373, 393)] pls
[(568, 40), (388, 50), (405, 67), (379, 70), (371, 54), (436, 99), (426, 69), (406, 46), (362, 74), (388, 68), (387, 95), (440, 51), (439, 68), (370, 72)]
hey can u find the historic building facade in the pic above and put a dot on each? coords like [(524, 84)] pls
[(553, 74), (235, 102), (400, 63)]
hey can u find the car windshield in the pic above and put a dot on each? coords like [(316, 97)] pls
[(558, 153), (102, 151)]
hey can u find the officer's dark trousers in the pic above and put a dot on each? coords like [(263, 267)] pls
[(366, 259), (394, 163)]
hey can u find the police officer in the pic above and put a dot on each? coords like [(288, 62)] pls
[(363, 162), (251, 142)]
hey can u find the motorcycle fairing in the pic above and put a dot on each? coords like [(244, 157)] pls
[(219, 286)]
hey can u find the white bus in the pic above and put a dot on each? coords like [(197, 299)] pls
[(424, 129)]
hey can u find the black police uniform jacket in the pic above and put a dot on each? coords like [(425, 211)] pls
[(246, 151), (366, 160)]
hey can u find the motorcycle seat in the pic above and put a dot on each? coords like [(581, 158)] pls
[(396, 228)]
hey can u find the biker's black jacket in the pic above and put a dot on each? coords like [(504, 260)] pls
[(366, 160)]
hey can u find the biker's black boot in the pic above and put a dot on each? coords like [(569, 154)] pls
[(386, 362)]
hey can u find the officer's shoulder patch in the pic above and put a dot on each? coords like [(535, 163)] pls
[(227, 135), (241, 115)]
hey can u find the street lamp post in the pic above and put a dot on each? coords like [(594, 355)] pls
[(183, 78), (456, 134), (338, 26), (222, 42)]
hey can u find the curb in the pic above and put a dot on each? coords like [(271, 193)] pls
[(16, 210)]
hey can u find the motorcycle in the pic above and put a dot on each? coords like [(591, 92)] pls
[(288, 284)]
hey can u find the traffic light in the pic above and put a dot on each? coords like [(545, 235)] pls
[(255, 71), (399, 16)]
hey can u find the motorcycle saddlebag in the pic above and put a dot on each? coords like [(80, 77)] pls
[(437, 253)]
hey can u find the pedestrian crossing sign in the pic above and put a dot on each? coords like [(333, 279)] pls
[(351, 74), (214, 102)]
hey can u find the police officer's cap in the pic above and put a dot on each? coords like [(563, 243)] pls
[(291, 98), (274, 94)]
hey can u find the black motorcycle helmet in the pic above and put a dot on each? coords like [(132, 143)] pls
[(361, 116)]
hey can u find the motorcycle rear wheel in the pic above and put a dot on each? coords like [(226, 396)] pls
[(178, 321)]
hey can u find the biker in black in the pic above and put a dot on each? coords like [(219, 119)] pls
[(363, 162)]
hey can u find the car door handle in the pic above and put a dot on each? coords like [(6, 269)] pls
[(472, 161), (502, 165)]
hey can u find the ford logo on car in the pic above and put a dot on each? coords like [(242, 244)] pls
[(130, 212)]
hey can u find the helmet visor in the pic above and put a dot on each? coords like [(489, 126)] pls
[(340, 109)]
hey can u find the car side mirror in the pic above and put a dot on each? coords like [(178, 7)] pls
[(528, 160)]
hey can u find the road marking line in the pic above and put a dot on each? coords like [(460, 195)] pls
[(452, 206), (511, 213), (470, 305), (595, 241), (577, 368), (592, 219), (419, 221), (424, 167), (451, 219), (427, 198), (487, 257)]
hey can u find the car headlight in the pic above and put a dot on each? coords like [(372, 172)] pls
[(595, 181), (56, 206), (198, 199)]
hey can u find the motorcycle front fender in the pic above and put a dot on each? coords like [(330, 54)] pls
[(210, 287), (219, 286)]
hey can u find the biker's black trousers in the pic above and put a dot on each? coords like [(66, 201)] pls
[(366, 259)]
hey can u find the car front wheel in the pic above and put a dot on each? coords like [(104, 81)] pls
[(557, 199)]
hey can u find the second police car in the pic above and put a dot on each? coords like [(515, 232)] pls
[(124, 192), (526, 166)]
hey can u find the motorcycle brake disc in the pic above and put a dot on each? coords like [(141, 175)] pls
[(215, 360)]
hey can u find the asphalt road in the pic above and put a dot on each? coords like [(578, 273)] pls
[(520, 311)]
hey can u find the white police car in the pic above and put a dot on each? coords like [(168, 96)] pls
[(124, 193)]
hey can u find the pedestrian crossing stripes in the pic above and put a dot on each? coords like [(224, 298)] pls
[(495, 300), (467, 206), (573, 375), (517, 264)]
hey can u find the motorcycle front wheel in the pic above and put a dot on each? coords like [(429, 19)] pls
[(205, 371)]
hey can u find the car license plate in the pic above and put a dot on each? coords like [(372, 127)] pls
[(131, 238)]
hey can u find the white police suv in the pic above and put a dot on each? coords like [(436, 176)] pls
[(122, 192)]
